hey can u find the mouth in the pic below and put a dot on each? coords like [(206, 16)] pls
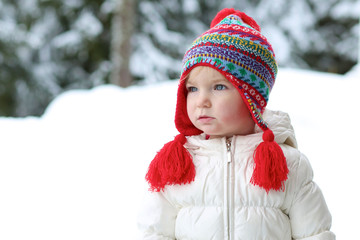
[(205, 119)]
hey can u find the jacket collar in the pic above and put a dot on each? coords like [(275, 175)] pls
[(279, 122)]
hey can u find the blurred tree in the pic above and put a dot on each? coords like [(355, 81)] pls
[(164, 31), (318, 35), (311, 34), (123, 26), (47, 47)]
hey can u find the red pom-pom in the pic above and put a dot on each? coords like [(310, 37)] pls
[(172, 165), (250, 21), (268, 136), (270, 170), (221, 15), (228, 11)]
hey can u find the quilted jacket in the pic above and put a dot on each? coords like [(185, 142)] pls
[(221, 203)]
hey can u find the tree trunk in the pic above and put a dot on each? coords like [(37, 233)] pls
[(123, 25), (358, 60)]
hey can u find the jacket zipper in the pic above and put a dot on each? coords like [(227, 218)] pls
[(228, 187)]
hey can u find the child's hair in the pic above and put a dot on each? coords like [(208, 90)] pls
[(234, 47)]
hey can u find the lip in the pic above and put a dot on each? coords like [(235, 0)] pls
[(205, 119)]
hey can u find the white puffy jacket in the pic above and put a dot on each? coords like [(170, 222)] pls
[(222, 203)]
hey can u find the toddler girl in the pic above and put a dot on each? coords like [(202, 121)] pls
[(234, 171)]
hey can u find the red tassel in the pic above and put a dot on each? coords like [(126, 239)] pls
[(228, 11), (172, 165), (270, 170)]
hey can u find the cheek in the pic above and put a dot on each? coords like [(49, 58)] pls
[(244, 112), (231, 113), (235, 110), (190, 107)]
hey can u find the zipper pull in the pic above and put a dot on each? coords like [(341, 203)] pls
[(228, 148)]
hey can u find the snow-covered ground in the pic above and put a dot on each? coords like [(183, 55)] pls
[(78, 171)]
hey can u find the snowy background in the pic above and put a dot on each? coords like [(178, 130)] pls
[(49, 47), (77, 172)]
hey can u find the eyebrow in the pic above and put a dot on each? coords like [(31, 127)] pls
[(215, 80), (187, 81)]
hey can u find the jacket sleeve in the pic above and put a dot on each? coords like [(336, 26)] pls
[(156, 220), (309, 215)]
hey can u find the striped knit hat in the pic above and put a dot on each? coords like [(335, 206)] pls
[(234, 47)]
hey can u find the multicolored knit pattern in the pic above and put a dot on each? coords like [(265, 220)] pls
[(243, 55)]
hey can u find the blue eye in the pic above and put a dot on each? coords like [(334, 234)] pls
[(192, 89), (220, 87)]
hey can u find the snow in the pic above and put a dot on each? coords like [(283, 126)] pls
[(142, 61), (191, 6), (71, 4), (78, 171), (88, 24), (346, 8), (65, 40)]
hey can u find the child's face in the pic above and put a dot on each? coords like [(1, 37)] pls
[(215, 106)]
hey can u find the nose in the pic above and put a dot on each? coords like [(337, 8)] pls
[(204, 100)]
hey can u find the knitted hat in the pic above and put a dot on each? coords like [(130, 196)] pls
[(234, 47)]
